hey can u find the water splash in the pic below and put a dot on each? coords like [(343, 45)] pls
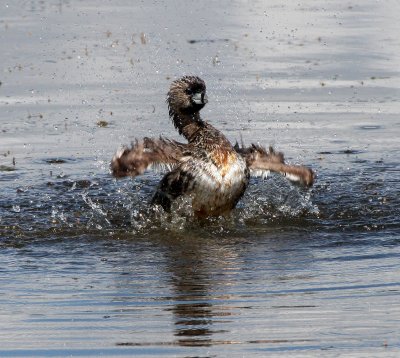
[(101, 206)]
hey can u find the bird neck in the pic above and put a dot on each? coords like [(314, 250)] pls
[(187, 123)]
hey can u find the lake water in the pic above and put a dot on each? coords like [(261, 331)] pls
[(89, 269)]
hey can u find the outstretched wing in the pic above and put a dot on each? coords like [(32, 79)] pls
[(260, 162), (159, 153)]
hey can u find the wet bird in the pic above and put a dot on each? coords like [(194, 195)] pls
[(208, 168)]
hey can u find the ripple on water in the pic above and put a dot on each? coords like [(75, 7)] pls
[(370, 127)]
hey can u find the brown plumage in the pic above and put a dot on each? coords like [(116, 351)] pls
[(259, 159), (148, 152), (208, 168)]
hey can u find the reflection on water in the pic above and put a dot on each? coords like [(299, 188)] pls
[(89, 268), (195, 287)]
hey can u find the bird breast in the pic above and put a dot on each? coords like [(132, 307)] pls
[(220, 182), (225, 161)]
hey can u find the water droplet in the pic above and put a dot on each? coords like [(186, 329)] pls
[(16, 208)]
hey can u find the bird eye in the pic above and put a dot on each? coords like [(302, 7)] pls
[(189, 92)]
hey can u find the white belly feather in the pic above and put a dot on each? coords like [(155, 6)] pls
[(215, 189)]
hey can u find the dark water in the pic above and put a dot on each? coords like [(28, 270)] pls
[(89, 269)]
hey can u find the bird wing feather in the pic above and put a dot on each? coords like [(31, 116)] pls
[(261, 161), (149, 153)]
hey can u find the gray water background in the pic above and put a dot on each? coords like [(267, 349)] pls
[(88, 269)]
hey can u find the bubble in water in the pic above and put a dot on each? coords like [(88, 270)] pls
[(16, 208)]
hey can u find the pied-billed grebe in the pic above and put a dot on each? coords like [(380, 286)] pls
[(208, 168)]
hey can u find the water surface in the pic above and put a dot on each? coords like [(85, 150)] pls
[(89, 269)]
